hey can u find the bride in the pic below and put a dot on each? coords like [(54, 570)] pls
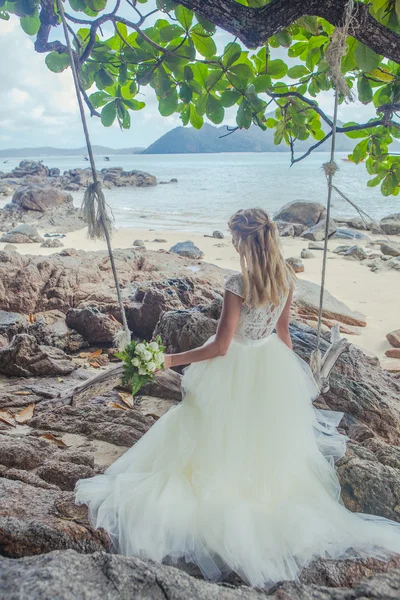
[(240, 476)]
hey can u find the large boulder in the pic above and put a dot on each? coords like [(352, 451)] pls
[(24, 357), (390, 249), (22, 234), (306, 213), (12, 323), (391, 224), (41, 199), (94, 326), (50, 329), (317, 232), (187, 249), (182, 330)]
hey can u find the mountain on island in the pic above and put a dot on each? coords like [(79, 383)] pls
[(186, 140), (46, 151)]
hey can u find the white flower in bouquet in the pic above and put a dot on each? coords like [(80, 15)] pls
[(153, 346), (151, 366), (159, 358), (135, 362), (140, 348), (142, 371), (147, 355)]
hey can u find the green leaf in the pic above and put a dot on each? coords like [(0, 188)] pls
[(185, 93), (297, 49), (171, 32), (389, 184), (214, 110), (298, 71), (103, 79), (196, 120), (208, 26), (365, 93), (78, 5), (374, 181), (99, 99), (284, 38), (4, 16), (168, 105), (229, 98), (184, 16), (166, 5), (30, 25), (366, 59), (271, 123), (239, 76), (244, 115), (231, 54), (109, 113), (360, 151), (212, 79), (203, 43), (133, 104), (277, 69), (57, 62), (262, 83)]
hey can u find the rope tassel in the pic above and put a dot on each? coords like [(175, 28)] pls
[(94, 211)]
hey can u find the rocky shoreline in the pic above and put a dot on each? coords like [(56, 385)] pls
[(58, 318)]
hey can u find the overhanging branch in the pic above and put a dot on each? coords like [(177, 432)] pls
[(253, 26)]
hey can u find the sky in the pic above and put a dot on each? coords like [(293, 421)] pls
[(38, 107)]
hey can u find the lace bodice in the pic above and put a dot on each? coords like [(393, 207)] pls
[(254, 323)]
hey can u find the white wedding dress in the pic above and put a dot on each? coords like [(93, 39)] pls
[(240, 476)]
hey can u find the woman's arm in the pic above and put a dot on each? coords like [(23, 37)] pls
[(282, 326), (219, 346)]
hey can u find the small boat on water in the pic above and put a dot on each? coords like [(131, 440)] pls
[(106, 158)]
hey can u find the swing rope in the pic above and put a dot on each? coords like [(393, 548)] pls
[(94, 205)]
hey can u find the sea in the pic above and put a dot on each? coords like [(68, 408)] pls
[(211, 187)]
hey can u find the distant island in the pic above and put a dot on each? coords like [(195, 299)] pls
[(186, 140), (46, 151)]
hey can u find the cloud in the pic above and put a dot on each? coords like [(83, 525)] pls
[(39, 107)]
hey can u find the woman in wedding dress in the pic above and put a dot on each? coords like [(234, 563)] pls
[(240, 476)]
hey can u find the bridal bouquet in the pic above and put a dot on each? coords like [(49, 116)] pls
[(141, 360)]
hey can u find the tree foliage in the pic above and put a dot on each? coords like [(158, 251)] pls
[(121, 49)]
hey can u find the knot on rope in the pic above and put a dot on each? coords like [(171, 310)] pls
[(330, 168), (95, 213), (335, 51)]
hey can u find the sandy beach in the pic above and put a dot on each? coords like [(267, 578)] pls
[(376, 295)]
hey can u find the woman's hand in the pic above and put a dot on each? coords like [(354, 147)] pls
[(167, 361)]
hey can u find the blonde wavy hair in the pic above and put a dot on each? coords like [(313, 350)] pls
[(267, 278)]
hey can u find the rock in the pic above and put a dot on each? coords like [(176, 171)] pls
[(390, 249), (342, 249), (391, 224), (71, 279), (64, 474), (305, 253), (306, 213), (187, 249), (394, 338), (10, 248), (306, 301), (317, 232), (315, 246), (35, 520), (285, 229), (348, 234), (12, 323), (160, 241), (139, 244), (173, 180), (24, 357), (120, 178), (52, 243), (41, 199), (50, 328), (22, 234), (94, 326), (359, 223), (24, 453), (113, 577), (296, 264), (356, 252), (394, 263), (393, 353), (183, 330), (218, 235)]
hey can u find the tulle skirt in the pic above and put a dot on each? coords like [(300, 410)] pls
[(238, 477)]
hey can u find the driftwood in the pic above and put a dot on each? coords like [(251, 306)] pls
[(322, 367), (108, 380)]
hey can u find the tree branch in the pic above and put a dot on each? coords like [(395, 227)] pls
[(253, 26)]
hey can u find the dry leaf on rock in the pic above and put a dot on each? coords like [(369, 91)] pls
[(116, 405), (22, 393), (96, 353), (25, 414), (7, 418), (126, 398), (53, 440)]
